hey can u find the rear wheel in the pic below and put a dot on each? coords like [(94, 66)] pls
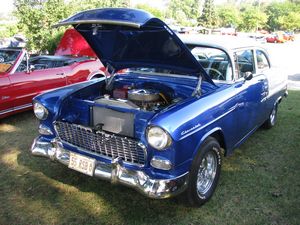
[(271, 121), (204, 173)]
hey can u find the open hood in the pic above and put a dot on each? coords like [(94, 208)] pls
[(126, 38)]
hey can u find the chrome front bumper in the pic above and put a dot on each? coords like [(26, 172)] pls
[(116, 172)]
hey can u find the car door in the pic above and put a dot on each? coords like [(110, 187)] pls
[(251, 93), (26, 84), (6, 104), (263, 68)]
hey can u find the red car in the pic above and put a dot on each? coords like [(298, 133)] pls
[(22, 78), (275, 38)]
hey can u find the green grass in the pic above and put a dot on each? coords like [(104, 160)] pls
[(260, 183)]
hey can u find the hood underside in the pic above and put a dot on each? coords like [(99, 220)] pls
[(126, 38)]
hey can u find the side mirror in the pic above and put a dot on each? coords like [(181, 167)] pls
[(248, 75)]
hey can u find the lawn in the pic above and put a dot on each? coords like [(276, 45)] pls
[(260, 183)]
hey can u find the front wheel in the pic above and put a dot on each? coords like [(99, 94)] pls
[(204, 173)]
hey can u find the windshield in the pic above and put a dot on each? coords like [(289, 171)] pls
[(8, 58), (214, 61)]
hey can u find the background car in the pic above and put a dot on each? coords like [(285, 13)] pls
[(22, 77), (261, 38), (275, 38), (289, 36)]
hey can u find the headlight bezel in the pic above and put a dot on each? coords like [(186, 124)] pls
[(167, 140), (43, 113)]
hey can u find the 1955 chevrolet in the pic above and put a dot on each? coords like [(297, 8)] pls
[(160, 126)]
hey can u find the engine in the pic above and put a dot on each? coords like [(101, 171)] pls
[(123, 123), (147, 99)]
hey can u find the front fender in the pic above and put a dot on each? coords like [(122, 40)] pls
[(206, 135), (53, 99)]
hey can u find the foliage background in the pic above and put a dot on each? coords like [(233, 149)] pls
[(35, 17)]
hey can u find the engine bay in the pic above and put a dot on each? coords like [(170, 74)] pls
[(146, 96), (129, 102), (116, 109)]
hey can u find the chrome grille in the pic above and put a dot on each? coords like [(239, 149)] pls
[(101, 143)]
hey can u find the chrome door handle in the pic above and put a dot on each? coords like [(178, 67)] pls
[(5, 97), (60, 74)]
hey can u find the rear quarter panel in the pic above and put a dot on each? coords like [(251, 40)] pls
[(82, 71)]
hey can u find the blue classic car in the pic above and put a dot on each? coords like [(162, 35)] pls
[(162, 125)]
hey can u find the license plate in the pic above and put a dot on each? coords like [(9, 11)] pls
[(82, 164)]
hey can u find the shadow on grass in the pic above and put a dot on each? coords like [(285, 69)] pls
[(253, 182), (45, 191)]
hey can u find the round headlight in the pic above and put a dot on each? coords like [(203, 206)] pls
[(40, 111), (158, 138)]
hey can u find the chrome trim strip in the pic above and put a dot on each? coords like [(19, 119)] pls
[(113, 22), (211, 122), (15, 108), (23, 106)]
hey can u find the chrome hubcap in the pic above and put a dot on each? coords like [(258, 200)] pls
[(206, 173), (272, 116)]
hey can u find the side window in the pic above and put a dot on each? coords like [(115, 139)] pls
[(36, 62), (261, 60), (244, 62), (23, 65)]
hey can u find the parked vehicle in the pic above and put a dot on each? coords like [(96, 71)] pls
[(289, 36), (160, 127), (275, 38), (22, 77), (260, 38)]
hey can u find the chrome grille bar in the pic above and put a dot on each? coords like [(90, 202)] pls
[(101, 143)]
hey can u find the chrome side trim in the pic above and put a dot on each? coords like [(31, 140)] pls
[(113, 22), (15, 108), (116, 172), (211, 122)]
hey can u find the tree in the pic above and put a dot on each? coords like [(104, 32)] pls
[(208, 17), (154, 11), (228, 15), (80, 5), (252, 19), (290, 22), (184, 12), (36, 18), (281, 14)]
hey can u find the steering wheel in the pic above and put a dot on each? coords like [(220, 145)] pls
[(215, 74)]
